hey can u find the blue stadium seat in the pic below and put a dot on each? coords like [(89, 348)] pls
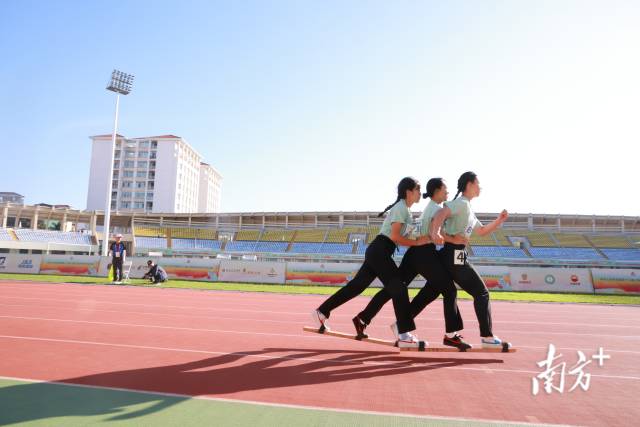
[(572, 254), (622, 254), (305, 248), (272, 247), (240, 246), (51, 236), (337, 248), (4, 235), (498, 252), (151, 242)]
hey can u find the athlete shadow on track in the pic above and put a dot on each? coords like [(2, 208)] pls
[(223, 375)]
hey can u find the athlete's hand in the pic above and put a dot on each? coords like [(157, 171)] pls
[(437, 238), (503, 216)]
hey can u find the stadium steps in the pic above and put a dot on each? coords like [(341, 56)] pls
[(597, 249), (602, 254)]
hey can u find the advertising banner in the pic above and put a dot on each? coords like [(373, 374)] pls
[(616, 281), (25, 264), (328, 273), (576, 280), (497, 278), (70, 265), (252, 271)]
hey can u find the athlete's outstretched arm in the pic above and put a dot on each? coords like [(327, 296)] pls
[(493, 225)]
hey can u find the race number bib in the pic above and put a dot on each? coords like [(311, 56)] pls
[(459, 257), (117, 254), (411, 232)]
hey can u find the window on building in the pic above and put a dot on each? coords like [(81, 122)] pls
[(129, 164), (125, 205), (129, 154), (144, 144), (150, 185), (153, 155), (142, 164), (143, 154), (127, 184), (139, 195), (149, 195), (117, 154), (149, 205), (140, 184), (116, 164), (154, 144), (127, 174), (127, 194)]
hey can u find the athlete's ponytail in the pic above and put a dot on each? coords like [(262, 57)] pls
[(406, 184), (465, 179), (433, 185)]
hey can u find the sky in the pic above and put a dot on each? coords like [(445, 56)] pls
[(326, 105)]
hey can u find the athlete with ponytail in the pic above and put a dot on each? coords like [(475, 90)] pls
[(457, 217), (425, 260), (378, 262)]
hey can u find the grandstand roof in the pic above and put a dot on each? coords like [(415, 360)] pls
[(546, 222), (139, 137), (107, 136), (159, 137)]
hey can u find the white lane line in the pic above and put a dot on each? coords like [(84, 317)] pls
[(289, 406), (516, 332), (306, 359), (430, 317), (244, 296), (235, 319)]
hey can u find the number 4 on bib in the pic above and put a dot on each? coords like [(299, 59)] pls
[(459, 257)]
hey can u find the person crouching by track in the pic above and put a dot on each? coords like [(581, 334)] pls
[(425, 260), (118, 254), (156, 273), (457, 217), (378, 262)]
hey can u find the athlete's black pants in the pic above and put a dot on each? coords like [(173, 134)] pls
[(378, 262), (424, 260), (454, 258), (117, 269)]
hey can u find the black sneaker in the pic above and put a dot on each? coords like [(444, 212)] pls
[(360, 326), (456, 342)]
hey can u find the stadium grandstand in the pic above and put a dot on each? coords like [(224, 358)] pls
[(531, 239)]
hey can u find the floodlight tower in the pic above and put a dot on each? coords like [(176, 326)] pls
[(121, 84)]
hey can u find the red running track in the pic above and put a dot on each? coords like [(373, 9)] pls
[(250, 346)]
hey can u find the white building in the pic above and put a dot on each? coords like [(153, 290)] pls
[(209, 189), (152, 174)]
